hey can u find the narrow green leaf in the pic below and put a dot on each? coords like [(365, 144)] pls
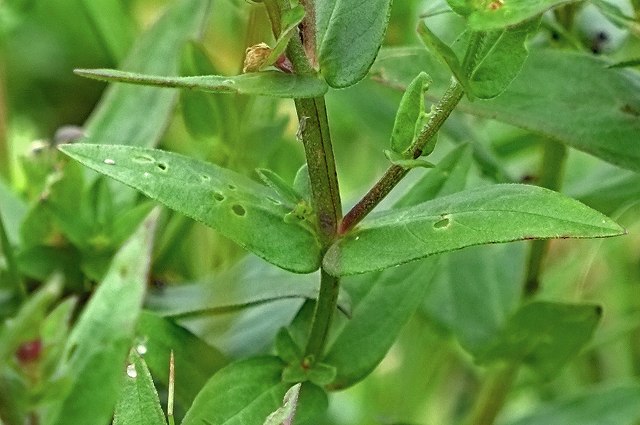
[(448, 176), (353, 37), (249, 283), (377, 319), (619, 405), (13, 212), (139, 403), (443, 52), (408, 122), (237, 207), (280, 186), (13, 284), (195, 360), (246, 392), (489, 15), (97, 347), (113, 24), (266, 83), (502, 57), (498, 213), (117, 120), (476, 291), (289, 25), (544, 335)]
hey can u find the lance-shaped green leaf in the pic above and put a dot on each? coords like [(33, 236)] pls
[(498, 213), (246, 392), (194, 359), (592, 408), (486, 15), (377, 319), (501, 59), (114, 26), (411, 114), (445, 53), (352, 39), (139, 403), (266, 83), (97, 347), (544, 335), (236, 206), (116, 120)]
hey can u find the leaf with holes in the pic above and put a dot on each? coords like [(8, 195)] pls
[(544, 335), (139, 403), (499, 213), (266, 83), (246, 392), (97, 347), (354, 33), (239, 208)]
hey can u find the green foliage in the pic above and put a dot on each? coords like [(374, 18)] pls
[(497, 213), (453, 291)]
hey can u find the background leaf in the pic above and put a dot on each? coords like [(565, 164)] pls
[(98, 344), (352, 39), (237, 207), (195, 360), (498, 213), (595, 407), (376, 321), (544, 335), (485, 17), (139, 403), (116, 119)]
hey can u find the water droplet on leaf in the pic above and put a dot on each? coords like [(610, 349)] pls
[(131, 371), (141, 349), (109, 161)]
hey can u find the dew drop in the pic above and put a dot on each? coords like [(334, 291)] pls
[(357, 237), (146, 174), (218, 196), (141, 349), (131, 371), (109, 161), (239, 210)]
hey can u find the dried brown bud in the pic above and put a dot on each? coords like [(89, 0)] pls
[(256, 57)]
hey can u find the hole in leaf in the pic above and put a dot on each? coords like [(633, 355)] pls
[(239, 210), (162, 166), (218, 196), (143, 159), (205, 177), (441, 224), (232, 187)]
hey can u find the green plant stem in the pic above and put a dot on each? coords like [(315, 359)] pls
[(395, 173), (322, 316), (314, 131), (492, 395), (553, 160)]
